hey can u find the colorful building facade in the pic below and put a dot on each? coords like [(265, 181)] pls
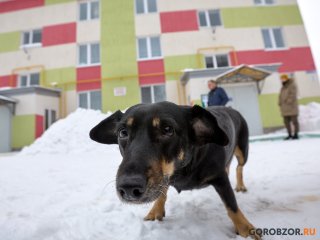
[(110, 55)]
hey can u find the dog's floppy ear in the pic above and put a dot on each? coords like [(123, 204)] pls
[(105, 131), (206, 128)]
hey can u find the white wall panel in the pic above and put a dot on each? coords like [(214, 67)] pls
[(38, 17)]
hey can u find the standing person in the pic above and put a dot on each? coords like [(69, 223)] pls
[(289, 106), (217, 96)]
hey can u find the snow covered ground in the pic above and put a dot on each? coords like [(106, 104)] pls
[(62, 188)]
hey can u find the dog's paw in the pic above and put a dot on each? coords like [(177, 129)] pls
[(155, 214), (240, 188), (247, 230)]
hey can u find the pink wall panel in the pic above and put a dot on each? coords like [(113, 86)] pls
[(8, 81), (39, 126), (14, 5), (293, 59), (59, 34), (179, 21), (88, 73), (151, 67)]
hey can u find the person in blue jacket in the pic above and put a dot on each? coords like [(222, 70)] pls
[(217, 95)]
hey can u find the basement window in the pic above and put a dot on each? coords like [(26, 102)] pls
[(50, 117)]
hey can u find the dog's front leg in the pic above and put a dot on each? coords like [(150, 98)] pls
[(158, 210), (241, 224)]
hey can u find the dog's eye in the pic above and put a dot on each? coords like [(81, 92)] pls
[(168, 131), (123, 133)]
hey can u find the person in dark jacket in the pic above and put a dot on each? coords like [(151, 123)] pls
[(217, 96), (289, 106)]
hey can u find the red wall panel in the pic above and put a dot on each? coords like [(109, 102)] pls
[(179, 21), (39, 126), (8, 81), (14, 5), (59, 34), (88, 73), (151, 67), (293, 59)]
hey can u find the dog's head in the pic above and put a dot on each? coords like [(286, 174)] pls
[(155, 140)]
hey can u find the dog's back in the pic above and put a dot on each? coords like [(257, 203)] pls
[(235, 126)]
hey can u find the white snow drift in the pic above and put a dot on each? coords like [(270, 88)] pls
[(63, 188)]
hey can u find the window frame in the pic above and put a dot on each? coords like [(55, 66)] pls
[(264, 3), (49, 121), (151, 86), (88, 96), (28, 75), (89, 16), (149, 49), (145, 7), (207, 16), (30, 40), (214, 57), (88, 63), (273, 40)]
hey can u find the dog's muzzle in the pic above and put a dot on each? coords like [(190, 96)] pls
[(131, 188)]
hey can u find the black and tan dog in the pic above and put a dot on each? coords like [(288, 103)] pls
[(188, 148)]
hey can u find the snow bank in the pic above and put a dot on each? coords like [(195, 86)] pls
[(69, 135), (309, 117)]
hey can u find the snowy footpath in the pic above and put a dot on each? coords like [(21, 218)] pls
[(72, 196), (62, 187)]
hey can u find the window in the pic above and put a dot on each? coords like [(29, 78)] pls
[(146, 6), (31, 79), (88, 10), (216, 61), (32, 38), (89, 54), (210, 18), (149, 47), (263, 2), (153, 94), (49, 118), (273, 38), (90, 100)]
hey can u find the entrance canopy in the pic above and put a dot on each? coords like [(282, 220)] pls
[(243, 73), (4, 99), (231, 75)]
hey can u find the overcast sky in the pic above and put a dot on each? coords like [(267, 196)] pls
[(310, 10)]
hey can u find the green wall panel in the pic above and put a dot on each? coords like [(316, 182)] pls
[(270, 111), (23, 131), (113, 103), (50, 2), (61, 76), (261, 16), (305, 101), (178, 63), (10, 42), (118, 41)]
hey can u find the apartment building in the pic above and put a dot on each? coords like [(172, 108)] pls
[(57, 55)]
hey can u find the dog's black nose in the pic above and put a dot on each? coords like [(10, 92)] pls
[(131, 188)]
